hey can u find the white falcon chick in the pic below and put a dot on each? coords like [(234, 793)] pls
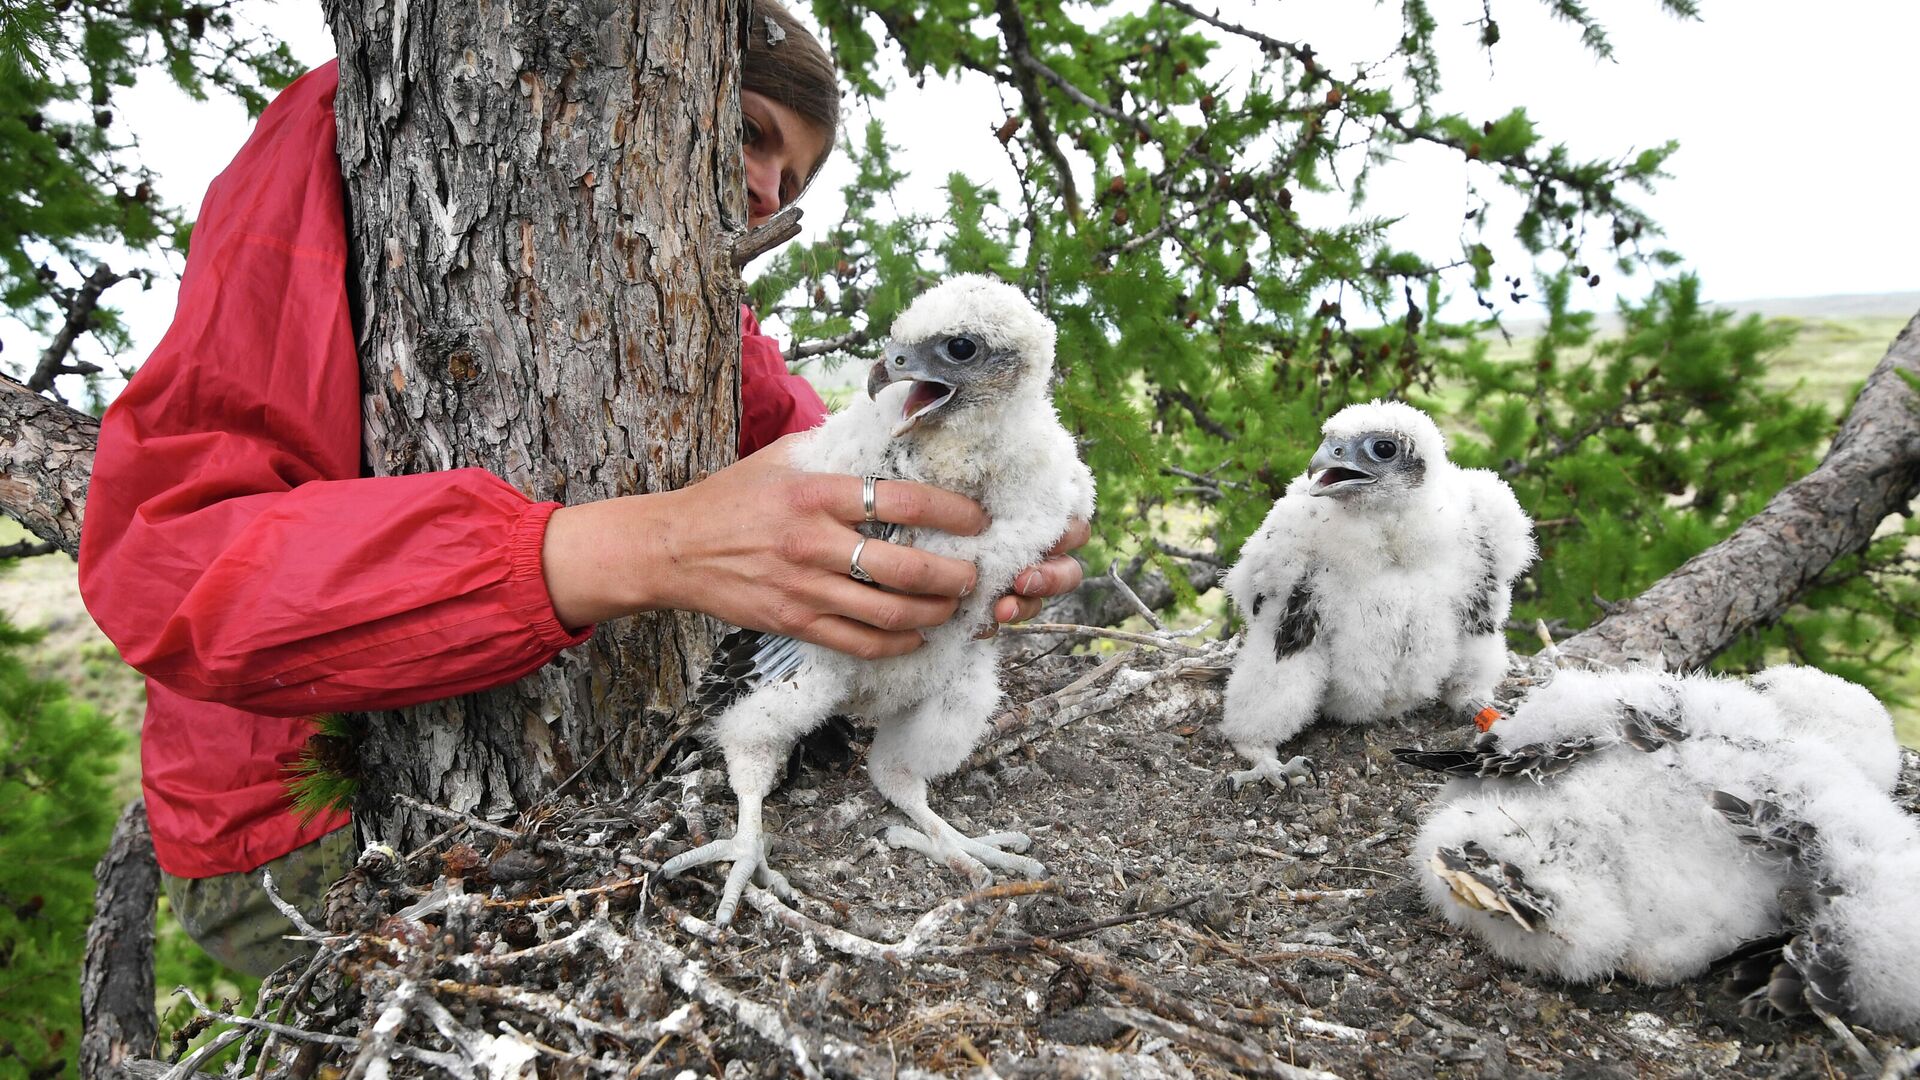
[(1652, 824), (1381, 580), (961, 399)]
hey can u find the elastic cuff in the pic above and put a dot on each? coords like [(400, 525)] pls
[(523, 564)]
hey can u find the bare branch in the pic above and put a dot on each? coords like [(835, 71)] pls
[(46, 460), (80, 304), (777, 230), (1749, 579)]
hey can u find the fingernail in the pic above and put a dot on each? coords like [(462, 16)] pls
[(1026, 582), (968, 591)]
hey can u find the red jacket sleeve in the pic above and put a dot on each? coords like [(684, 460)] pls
[(231, 549), (773, 401)]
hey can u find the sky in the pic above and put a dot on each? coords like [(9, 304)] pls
[(1796, 176)]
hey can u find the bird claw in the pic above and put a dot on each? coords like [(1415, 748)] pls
[(971, 856), (1295, 773), (748, 854)]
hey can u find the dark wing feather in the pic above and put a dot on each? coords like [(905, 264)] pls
[(1485, 759), (745, 660), (1792, 976), (1503, 888), (1298, 623), (1766, 826), (1476, 617), (1808, 972), (1650, 729)]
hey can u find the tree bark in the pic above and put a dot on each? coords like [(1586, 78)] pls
[(543, 202), (46, 459), (117, 1020), (1871, 471)]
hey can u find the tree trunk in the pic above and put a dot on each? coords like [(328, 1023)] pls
[(543, 201), (1871, 471), (46, 459), (117, 1020)]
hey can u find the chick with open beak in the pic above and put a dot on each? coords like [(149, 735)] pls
[(1345, 465)]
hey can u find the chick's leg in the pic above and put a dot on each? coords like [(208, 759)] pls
[(1268, 701), (756, 734), (929, 742)]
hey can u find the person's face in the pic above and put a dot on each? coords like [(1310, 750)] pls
[(781, 149)]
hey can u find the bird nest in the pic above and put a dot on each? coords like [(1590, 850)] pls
[(1183, 930)]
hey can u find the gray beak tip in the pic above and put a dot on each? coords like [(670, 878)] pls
[(877, 379)]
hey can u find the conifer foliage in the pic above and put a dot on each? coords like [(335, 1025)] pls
[(56, 811), (71, 180), (1191, 212)]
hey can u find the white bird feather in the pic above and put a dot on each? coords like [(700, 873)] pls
[(997, 440), (1380, 581), (1651, 824)]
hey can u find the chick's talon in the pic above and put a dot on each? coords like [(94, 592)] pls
[(971, 856), (748, 854), (1297, 772)]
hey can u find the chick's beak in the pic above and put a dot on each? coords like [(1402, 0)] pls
[(1335, 467)]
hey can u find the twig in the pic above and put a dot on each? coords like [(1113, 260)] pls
[(847, 342), (1238, 1052), (1154, 640), (914, 944), (561, 847), (777, 230), (28, 549), (1849, 1040), (1078, 930), (299, 921), (80, 304), (1126, 591), (285, 1031)]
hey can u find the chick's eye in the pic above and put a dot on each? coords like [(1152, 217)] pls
[(1385, 449), (961, 348)]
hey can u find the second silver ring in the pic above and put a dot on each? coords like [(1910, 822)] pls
[(854, 569), (868, 484)]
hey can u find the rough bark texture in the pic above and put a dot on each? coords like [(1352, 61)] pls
[(46, 459), (117, 1020), (1871, 471), (543, 200)]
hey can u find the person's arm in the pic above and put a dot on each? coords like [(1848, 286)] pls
[(773, 400), (231, 549)]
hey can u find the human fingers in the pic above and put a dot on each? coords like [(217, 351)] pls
[(907, 570), (857, 639), (1079, 531), (878, 608), (1056, 576), (905, 502), (1011, 609)]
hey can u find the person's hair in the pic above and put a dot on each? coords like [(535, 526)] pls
[(786, 63)]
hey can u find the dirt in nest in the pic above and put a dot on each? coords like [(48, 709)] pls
[(1185, 930)]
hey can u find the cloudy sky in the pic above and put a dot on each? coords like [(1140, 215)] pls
[(1797, 173)]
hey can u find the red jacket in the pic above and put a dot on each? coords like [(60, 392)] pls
[(237, 556)]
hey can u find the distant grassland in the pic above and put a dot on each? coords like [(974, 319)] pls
[(1828, 359)]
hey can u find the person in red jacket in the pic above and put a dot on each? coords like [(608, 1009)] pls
[(237, 556)]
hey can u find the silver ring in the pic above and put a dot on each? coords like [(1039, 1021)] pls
[(867, 485), (854, 569)]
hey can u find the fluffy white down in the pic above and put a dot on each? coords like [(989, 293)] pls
[(1018, 461), (1645, 878), (1391, 582)]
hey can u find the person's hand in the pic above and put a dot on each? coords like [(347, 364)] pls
[(1056, 575), (766, 546)]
